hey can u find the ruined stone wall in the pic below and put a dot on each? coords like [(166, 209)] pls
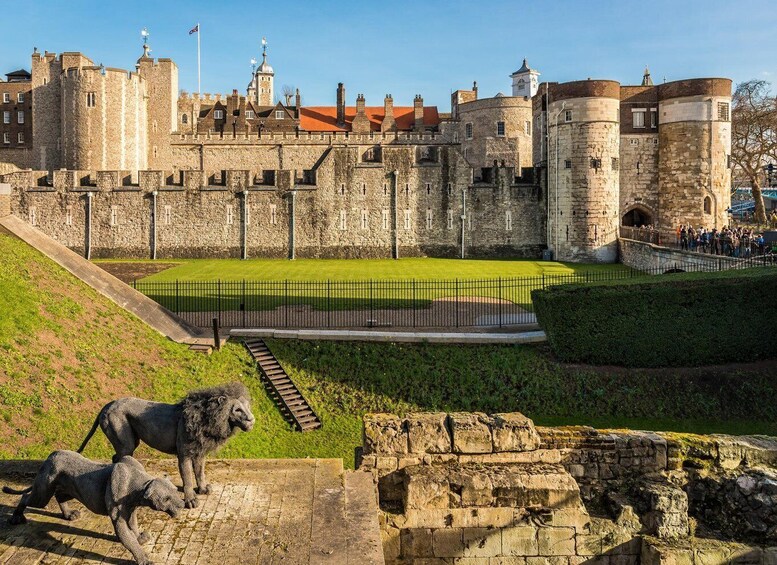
[(694, 149), (583, 175)]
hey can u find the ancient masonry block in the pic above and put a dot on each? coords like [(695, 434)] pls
[(471, 432), (514, 432), (428, 433), (384, 434)]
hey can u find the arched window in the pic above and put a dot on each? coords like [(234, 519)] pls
[(707, 205), (184, 119)]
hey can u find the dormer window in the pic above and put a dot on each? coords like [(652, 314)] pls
[(218, 114), (279, 114), (249, 114)]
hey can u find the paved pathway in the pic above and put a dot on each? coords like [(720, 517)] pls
[(260, 511), (395, 336)]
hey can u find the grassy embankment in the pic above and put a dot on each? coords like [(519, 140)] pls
[(65, 351)]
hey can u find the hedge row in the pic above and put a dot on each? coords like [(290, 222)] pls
[(667, 320)]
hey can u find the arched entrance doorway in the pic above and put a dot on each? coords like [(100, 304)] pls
[(637, 217)]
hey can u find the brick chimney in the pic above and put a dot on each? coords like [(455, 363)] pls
[(340, 105), (297, 101), (361, 124), (418, 112), (389, 123)]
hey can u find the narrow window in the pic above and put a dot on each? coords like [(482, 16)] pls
[(20, 117), (33, 216), (384, 219), (428, 218), (568, 115), (638, 118), (450, 188), (385, 189), (707, 205), (568, 164), (407, 189), (508, 220), (364, 189), (615, 164), (596, 163), (20, 97), (230, 214), (500, 129), (342, 220), (91, 99), (114, 215), (6, 137), (455, 137), (365, 219), (466, 152), (218, 114), (428, 188), (653, 118), (407, 219), (527, 127), (168, 214), (468, 131), (450, 219), (20, 138), (68, 215), (6, 117), (342, 189), (273, 218), (184, 119), (6, 97), (723, 111)]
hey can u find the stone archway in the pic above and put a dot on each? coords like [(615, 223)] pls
[(636, 217)]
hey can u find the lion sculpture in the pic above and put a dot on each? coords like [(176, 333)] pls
[(190, 429), (116, 490)]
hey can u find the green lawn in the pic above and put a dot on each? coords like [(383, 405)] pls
[(366, 269)]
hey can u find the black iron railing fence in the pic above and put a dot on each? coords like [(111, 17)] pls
[(373, 303)]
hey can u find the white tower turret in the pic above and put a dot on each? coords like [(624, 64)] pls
[(260, 89), (525, 81)]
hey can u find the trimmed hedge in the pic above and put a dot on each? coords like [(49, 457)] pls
[(667, 320)]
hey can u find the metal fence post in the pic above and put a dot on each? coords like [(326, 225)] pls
[(415, 306), (245, 306), (177, 298), (500, 302), (457, 303), (329, 303), (219, 300), (286, 301)]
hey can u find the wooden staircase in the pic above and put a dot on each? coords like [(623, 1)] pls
[(282, 389)]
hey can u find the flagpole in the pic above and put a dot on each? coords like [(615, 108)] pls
[(199, 84)]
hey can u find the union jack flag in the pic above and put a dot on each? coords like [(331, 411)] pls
[(195, 29)]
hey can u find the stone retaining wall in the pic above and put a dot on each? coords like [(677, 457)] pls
[(650, 257)]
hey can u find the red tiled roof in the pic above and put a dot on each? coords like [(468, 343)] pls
[(324, 118)]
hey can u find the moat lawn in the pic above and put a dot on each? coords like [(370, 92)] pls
[(360, 269)]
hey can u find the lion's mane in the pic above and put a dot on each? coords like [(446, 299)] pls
[(205, 419)]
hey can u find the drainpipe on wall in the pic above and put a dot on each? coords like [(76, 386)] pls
[(88, 250), (292, 224), (395, 175), (153, 223), (244, 252), (463, 218)]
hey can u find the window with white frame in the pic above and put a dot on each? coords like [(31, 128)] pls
[(68, 215), (6, 138), (6, 97), (468, 131), (280, 114), (654, 118), (638, 118), (218, 114), (407, 219), (114, 215), (230, 214), (567, 115), (6, 117), (508, 220), (20, 97), (384, 219), (428, 218), (450, 219), (91, 99), (723, 113), (365, 219), (168, 214), (343, 224), (273, 216), (249, 114), (500, 129), (33, 216), (20, 117), (633, 141), (20, 138)]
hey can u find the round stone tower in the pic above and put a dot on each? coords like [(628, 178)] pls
[(694, 136), (104, 119), (583, 170)]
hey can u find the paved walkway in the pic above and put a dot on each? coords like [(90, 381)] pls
[(260, 511), (395, 336)]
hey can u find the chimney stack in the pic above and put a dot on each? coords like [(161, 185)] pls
[(340, 105), (389, 123), (297, 101), (418, 112), (361, 124)]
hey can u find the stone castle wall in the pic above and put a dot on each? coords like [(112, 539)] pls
[(638, 175)]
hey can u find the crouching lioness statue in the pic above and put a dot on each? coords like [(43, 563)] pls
[(116, 490), (190, 429)]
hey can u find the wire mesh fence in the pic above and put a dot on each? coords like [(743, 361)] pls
[(419, 303)]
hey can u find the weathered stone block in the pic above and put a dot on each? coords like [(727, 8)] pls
[(514, 432), (471, 432), (556, 541), (520, 540), (426, 489), (588, 544), (384, 434), (474, 485), (5, 200), (448, 542), (482, 542), (416, 542), (428, 433)]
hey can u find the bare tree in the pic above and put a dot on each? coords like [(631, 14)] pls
[(288, 94), (754, 136)]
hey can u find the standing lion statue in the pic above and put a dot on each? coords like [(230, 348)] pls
[(190, 429)]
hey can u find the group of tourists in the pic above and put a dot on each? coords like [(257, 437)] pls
[(732, 242)]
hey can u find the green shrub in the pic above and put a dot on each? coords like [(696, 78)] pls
[(671, 320)]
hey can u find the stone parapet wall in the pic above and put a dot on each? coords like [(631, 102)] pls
[(653, 258)]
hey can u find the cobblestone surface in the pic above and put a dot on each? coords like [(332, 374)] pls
[(259, 512)]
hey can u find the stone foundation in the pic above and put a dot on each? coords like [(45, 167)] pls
[(495, 489)]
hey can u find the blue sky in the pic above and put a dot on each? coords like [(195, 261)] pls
[(404, 47)]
